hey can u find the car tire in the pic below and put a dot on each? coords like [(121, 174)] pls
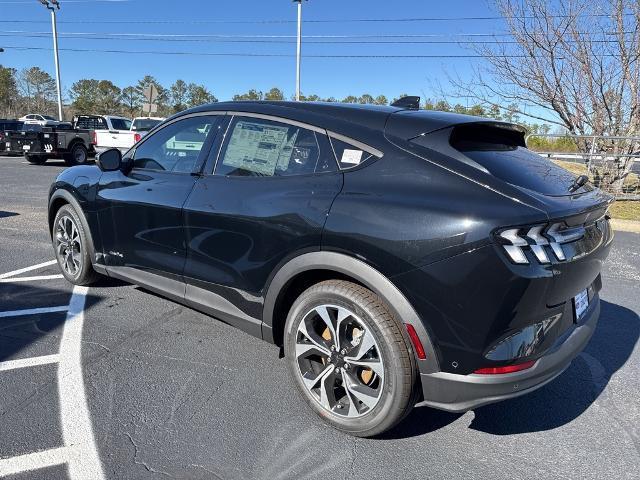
[(72, 248), (79, 155), (35, 159), (358, 400)]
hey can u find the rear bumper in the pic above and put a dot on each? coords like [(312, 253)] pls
[(99, 150), (459, 393)]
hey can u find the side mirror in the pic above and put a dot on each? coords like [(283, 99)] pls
[(110, 160)]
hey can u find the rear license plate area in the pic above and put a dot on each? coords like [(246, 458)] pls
[(581, 304)]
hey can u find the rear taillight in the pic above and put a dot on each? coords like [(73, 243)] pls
[(506, 369), (136, 137), (540, 240), (94, 137)]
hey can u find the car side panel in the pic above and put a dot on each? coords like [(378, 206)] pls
[(402, 212), (238, 229)]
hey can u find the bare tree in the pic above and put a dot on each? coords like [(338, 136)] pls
[(38, 89), (575, 60)]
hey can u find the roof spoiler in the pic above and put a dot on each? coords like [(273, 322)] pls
[(408, 102)]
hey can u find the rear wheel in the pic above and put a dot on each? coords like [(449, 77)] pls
[(72, 247), (35, 159), (347, 354), (78, 155)]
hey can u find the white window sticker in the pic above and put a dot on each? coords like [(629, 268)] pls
[(352, 157)]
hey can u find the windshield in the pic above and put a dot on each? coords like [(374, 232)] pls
[(121, 124), (144, 124), (47, 117)]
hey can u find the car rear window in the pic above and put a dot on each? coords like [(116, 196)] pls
[(502, 153), (144, 124), (91, 123), (120, 124)]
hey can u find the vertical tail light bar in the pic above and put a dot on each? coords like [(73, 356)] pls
[(516, 241)]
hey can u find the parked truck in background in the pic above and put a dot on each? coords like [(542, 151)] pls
[(71, 142), (144, 124), (7, 126), (114, 132)]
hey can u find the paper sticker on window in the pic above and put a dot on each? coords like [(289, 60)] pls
[(352, 157)]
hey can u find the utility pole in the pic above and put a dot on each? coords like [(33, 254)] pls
[(298, 48), (55, 4)]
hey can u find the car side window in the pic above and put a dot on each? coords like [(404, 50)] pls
[(348, 156), (265, 148), (176, 147)]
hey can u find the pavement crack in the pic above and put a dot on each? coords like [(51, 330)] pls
[(141, 462), (97, 344), (207, 470)]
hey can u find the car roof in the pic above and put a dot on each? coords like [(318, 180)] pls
[(345, 117), (370, 116)]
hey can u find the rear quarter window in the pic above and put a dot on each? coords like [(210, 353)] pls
[(502, 153)]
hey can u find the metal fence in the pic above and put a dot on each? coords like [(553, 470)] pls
[(611, 162)]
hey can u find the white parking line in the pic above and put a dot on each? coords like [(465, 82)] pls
[(33, 461), (30, 279), (77, 431), (28, 362), (79, 451), (27, 269), (33, 311)]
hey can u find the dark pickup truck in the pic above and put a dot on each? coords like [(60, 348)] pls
[(71, 142), (6, 126)]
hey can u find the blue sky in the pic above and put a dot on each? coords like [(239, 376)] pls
[(226, 75)]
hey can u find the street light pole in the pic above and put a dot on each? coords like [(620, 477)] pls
[(54, 28), (298, 49)]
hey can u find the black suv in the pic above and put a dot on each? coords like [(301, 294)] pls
[(397, 256)]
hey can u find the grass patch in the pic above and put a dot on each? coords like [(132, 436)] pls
[(625, 210), (575, 168)]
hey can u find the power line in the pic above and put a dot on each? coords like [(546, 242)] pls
[(159, 36), (249, 54), (286, 21), (98, 36)]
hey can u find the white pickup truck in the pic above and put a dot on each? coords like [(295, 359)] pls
[(114, 132)]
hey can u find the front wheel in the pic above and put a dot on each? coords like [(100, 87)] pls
[(349, 358), (72, 247)]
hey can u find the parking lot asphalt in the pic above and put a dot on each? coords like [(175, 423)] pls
[(133, 386)]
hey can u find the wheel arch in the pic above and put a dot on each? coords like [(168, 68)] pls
[(290, 279), (62, 197)]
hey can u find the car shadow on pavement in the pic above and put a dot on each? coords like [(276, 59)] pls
[(557, 403), (39, 333), (5, 214), (57, 162)]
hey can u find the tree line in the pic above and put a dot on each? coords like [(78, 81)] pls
[(33, 90)]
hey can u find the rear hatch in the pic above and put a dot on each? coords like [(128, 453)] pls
[(494, 154)]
